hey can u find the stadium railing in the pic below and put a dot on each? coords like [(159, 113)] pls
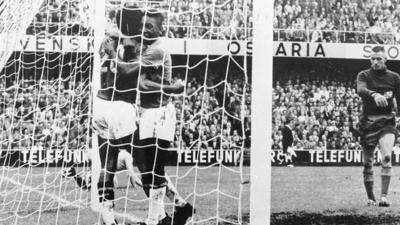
[(179, 31), (334, 36)]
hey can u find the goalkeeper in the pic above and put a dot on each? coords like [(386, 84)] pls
[(378, 86)]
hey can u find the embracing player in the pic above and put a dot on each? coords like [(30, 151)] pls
[(378, 87), (114, 114), (157, 120)]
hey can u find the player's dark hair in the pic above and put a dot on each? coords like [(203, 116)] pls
[(378, 49), (129, 20)]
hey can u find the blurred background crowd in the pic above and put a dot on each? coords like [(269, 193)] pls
[(46, 113), (344, 21), (198, 19), (320, 101), (48, 105)]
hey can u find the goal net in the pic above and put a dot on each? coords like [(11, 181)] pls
[(48, 82)]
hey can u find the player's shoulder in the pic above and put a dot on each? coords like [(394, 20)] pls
[(392, 73)]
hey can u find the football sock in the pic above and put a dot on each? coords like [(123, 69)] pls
[(369, 187), (386, 175), (156, 206)]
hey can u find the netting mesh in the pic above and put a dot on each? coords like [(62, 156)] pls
[(47, 91)]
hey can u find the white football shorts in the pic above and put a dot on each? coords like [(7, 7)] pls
[(114, 119), (158, 123)]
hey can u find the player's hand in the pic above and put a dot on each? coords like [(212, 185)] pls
[(380, 100), (110, 46)]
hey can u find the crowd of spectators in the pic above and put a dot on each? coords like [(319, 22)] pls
[(323, 114), (55, 113), (202, 19), (61, 17), (349, 21), (49, 113), (215, 118)]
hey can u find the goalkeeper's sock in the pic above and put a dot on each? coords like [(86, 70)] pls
[(369, 187), (385, 177), (156, 206)]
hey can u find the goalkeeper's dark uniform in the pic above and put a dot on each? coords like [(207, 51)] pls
[(376, 121)]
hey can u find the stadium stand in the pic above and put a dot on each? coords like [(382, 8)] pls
[(231, 20), (323, 106), (209, 132), (61, 117), (187, 19), (344, 21), (59, 121)]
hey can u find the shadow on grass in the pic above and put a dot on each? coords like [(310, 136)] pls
[(327, 218), (234, 218)]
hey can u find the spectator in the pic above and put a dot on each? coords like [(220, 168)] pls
[(354, 20), (186, 19)]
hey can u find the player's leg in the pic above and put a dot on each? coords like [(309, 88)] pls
[(108, 157), (172, 193), (183, 209), (125, 162), (386, 143), (369, 173), (286, 154), (154, 186), (369, 140)]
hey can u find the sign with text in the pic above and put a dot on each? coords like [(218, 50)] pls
[(331, 50), (328, 157), (65, 157), (176, 46), (208, 157)]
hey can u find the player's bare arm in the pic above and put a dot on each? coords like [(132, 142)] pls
[(146, 84), (397, 94)]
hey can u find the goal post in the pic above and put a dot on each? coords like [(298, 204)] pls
[(262, 85)]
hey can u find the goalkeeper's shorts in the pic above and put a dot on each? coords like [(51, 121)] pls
[(114, 119), (158, 123), (373, 127)]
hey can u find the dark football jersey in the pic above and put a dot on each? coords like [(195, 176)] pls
[(115, 87), (384, 82), (156, 63)]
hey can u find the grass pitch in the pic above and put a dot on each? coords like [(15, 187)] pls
[(30, 196), (329, 195)]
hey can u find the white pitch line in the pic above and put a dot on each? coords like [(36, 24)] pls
[(68, 203), (63, 201)]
